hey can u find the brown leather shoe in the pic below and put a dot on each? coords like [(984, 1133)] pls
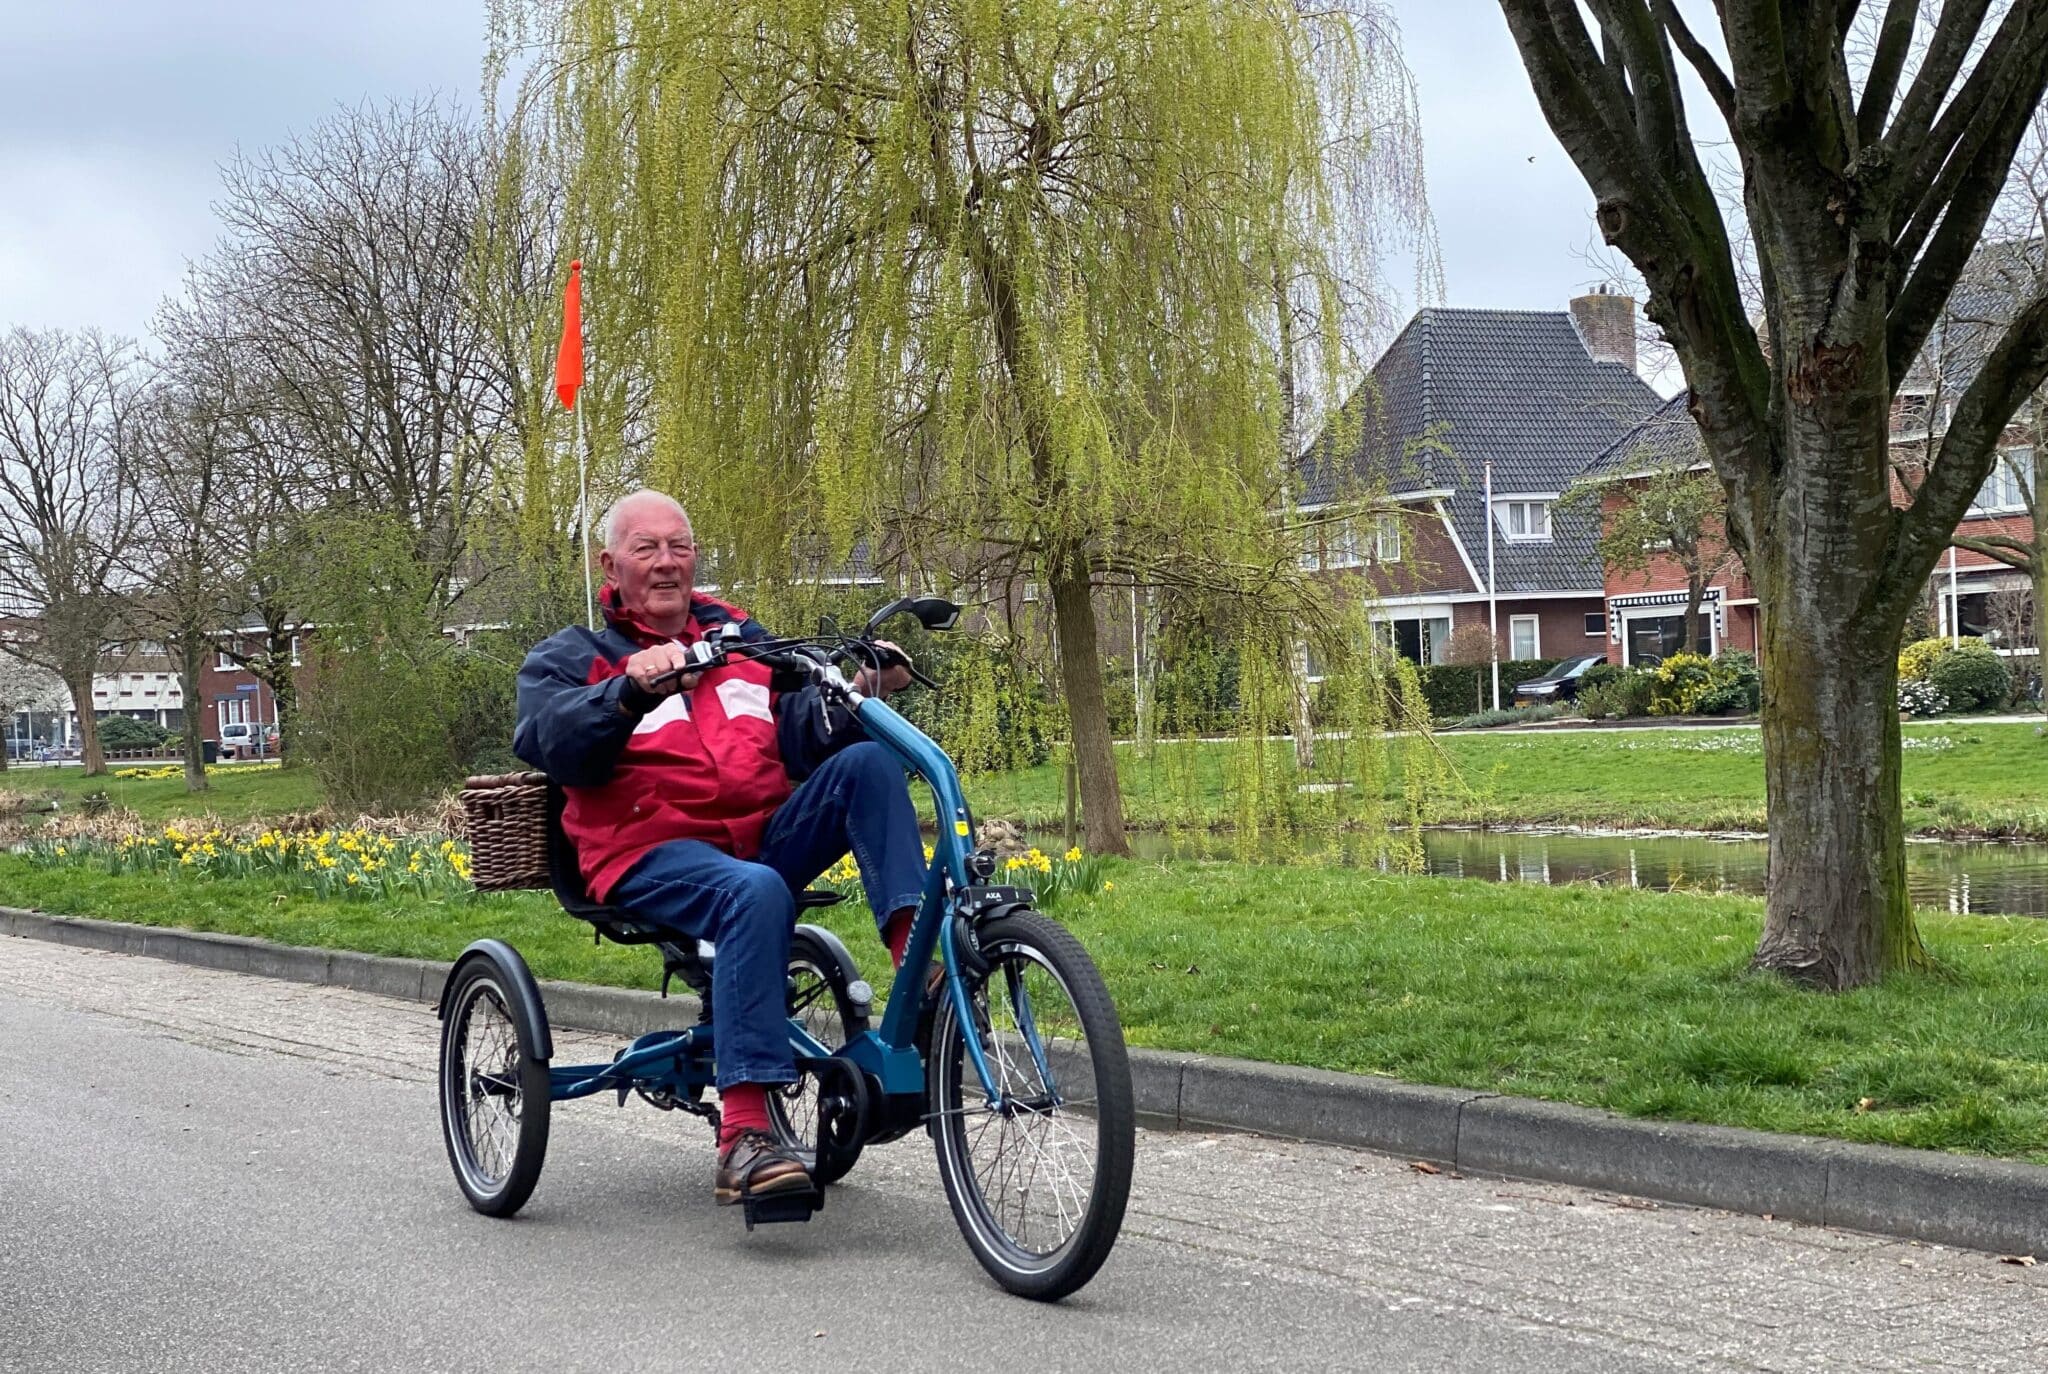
[(755, 1164)]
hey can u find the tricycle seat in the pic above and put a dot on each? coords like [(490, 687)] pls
[(691, 961)]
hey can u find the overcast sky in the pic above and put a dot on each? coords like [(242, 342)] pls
[(115, 116)]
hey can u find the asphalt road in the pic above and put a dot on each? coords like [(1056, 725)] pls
[(204, 1171)]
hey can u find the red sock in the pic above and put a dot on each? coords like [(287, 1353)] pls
[(741, 1107), (896, 935)]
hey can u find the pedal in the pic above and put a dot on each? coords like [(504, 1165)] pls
[(792, 1206)]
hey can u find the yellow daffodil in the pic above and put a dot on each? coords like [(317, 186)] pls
[(1073, 854)]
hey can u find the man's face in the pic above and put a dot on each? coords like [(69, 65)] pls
[(653, 562)]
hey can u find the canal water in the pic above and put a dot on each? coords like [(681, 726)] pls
[(1986, 877)]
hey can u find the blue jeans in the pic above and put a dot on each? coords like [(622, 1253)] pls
[(859, 799)]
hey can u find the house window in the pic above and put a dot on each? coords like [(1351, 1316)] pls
[(1523, 639), (295, 651), (1030, 592), (1311, 663), (2006, 488), (1387, 539), (1419, 639), (1596, 624), (1525, 519), (223, 661), (1344, 549)]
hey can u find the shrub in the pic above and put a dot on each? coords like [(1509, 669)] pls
[(1921, 698), (1917, 658), (126, 732), (1736, 685), (1679, 683), (1600, 673), (1620, 692), (1455, 690), (1972, 676)]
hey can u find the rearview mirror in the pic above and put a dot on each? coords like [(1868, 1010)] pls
[(933, 612)]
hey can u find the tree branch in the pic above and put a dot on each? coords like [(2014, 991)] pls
[(1717, 82), (1894, 39), (2014, 370)]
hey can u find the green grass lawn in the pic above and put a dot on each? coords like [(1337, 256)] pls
[(232, 792), (1635, 1002), (1959, 779), (1985, 779)]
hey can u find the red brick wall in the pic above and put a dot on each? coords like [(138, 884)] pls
[(1560, 623)]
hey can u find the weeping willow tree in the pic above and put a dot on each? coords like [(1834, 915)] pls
[(1035, 288)]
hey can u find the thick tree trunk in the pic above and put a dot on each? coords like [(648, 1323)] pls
[(191, 662), (1837, 915), (1102, 803), (94, 758)]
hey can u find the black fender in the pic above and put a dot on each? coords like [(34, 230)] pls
[(835, 949), (527, 1008)]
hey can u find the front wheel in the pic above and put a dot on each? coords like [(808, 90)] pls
[(494, 1089), (1038, 1184)]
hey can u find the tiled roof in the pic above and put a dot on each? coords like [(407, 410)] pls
[(1668, 437), (1459, 388)]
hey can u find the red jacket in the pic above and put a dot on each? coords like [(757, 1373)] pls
[(637, 771)]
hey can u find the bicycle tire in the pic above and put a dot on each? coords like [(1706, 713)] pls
[(497, 1160), (1084, 1032)]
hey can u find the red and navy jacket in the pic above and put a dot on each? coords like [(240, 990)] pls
[(639, 770)]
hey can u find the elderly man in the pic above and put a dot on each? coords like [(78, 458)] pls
[(704, 803)]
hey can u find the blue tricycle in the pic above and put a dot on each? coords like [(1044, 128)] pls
[(1013, 1064)]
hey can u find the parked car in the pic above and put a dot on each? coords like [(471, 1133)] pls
[(1561, 683), (247, 740)]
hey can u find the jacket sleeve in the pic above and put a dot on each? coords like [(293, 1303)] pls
[(571, 729), (801, 734)]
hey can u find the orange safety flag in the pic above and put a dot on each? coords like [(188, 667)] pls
[(569, 359)]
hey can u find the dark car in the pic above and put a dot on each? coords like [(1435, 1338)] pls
[(1561, 683)]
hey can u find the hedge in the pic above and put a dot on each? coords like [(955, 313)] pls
[(1459, 689)]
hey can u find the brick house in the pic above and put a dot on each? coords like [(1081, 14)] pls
[(1525, 399), (1645, 609)]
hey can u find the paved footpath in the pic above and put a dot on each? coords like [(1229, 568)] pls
[(206, 1171)]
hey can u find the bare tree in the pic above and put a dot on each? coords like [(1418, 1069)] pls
[(1873, 142), (346, 290), (67, 507), (185, 564)]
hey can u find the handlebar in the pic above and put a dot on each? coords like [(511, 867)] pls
[(792, 655)]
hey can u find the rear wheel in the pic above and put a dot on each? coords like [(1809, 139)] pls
[(494, 1090), (1038, 1183), (821, 1001)]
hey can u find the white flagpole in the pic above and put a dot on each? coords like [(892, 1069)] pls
[(1492, 605), (583, 505)]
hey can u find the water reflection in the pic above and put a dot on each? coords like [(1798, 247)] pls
[(1960, 876)]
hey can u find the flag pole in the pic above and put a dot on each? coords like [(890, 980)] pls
[(569, 381), (583, 505)]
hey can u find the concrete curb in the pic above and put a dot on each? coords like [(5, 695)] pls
[(1980, 1204)]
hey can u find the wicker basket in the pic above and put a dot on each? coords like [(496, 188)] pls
[(507, 817)]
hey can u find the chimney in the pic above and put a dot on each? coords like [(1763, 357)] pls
[(1607, 325)]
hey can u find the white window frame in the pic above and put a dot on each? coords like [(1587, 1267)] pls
[(2007, 492), (222, 663), (1387, 539), (1507, 508), (1343, 545), (295, 651), (1535, 624), (1591, 631)]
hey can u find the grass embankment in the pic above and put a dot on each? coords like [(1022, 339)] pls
[(1958, 780), (233, 792), (1621, 1000)]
